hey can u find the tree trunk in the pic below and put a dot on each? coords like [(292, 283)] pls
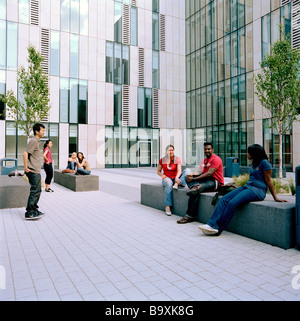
[(280, 151)]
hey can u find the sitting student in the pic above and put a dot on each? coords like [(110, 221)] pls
[(209, 180), (254, 190), (83, 167), (169, 169), (72, 161)]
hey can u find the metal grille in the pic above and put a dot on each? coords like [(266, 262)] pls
[(155, 103), (34, 12), (162, 32), (126, 24), (141, 67), (125, 105), (296, 23)]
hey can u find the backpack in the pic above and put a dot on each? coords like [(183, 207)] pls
[(223, 190)]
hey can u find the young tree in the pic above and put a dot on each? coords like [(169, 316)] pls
[(278, 86), (35, 92)]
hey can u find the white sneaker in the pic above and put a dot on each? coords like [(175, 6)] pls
[(168, 213), (208, 230), (175, 186)]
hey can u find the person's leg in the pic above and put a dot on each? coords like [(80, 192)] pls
[(183, 177), (203, 185), (168, 193), (35, 192), (83, 171), (227, 206), (49, 173)]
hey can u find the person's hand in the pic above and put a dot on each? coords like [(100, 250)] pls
[(189, 178), (164, 177), (281, 201), (27, 170), (178, 181)]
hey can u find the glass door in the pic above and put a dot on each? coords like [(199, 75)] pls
[(145, 154)]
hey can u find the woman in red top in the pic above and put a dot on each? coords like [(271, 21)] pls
[(48, 165), (169, 169)]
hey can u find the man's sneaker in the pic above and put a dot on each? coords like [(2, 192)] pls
[(49, 190), (208, 230), (186, 219), (40, 213), (32, 216)]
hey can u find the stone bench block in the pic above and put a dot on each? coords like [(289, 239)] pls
[(77, 183), (267, 221), (14, 192)]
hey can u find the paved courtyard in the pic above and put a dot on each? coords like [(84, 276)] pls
[(106, 246)]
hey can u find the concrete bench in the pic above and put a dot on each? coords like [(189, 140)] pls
[(77, 183), (14, 192), (267, 221)]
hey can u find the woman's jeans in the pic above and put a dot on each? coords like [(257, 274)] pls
[(83, 171), (168, 185), (49, 173), (71, 166), (209, 185), (226, 207)]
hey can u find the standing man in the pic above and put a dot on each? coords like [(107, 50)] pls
[(32, 167), (211, 177)]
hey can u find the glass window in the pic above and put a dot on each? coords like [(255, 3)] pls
[(250, 96), (134, 26), (74, 57), (117, 64), (65, 15), (242, 98), (155, 31), (125, 65), (83, 102), (2, 9), (234, 54), (228, 101), (155, 73), (54, 53), (2, 44), (249, 47), (2, 92), (109, 61), (118, 22), (234, 14), (74, 16), (203, 106), (10, 140), (234, 99), (249, 11), (109, 146), (275, 21), (64, 100), (73, 138), (53, 135), (241, 51), (73, 101), (155, 5), (266, 34), (241, 13), (12, 45), (144, 107), (24, 11), (286, 18), (117, 105), (132, 146), (84, 17)]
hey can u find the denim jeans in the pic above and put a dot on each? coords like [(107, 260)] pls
[(35, 191), (71, 166), (209, 185), (226, 207), (83, 171), (168, 185)]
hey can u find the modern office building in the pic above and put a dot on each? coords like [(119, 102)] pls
[(225, 42), (116, 77)]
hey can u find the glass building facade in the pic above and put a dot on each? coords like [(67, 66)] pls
[(108, 93), (221, 48)]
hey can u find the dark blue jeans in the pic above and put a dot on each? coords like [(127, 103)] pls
[(226, 207), (35, 191)]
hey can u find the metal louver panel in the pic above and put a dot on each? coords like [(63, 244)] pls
[(125, 105), (296, 23), (34, 12), (134, 3), (284, 2), (155, 102), (141, 67), (45, 49), (162, 32), (126, 25)]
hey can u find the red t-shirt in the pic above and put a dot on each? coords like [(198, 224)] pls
[(170, 169), (215, 162)]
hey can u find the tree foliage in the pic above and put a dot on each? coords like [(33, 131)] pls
[(34, 105)]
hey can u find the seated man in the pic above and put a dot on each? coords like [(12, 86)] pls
[(211, 177)]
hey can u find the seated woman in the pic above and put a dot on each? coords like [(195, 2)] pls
[(83, 167), (72, 162), (172, 176), (254, 190)]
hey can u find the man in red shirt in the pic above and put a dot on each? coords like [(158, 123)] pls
[(209, 179)]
